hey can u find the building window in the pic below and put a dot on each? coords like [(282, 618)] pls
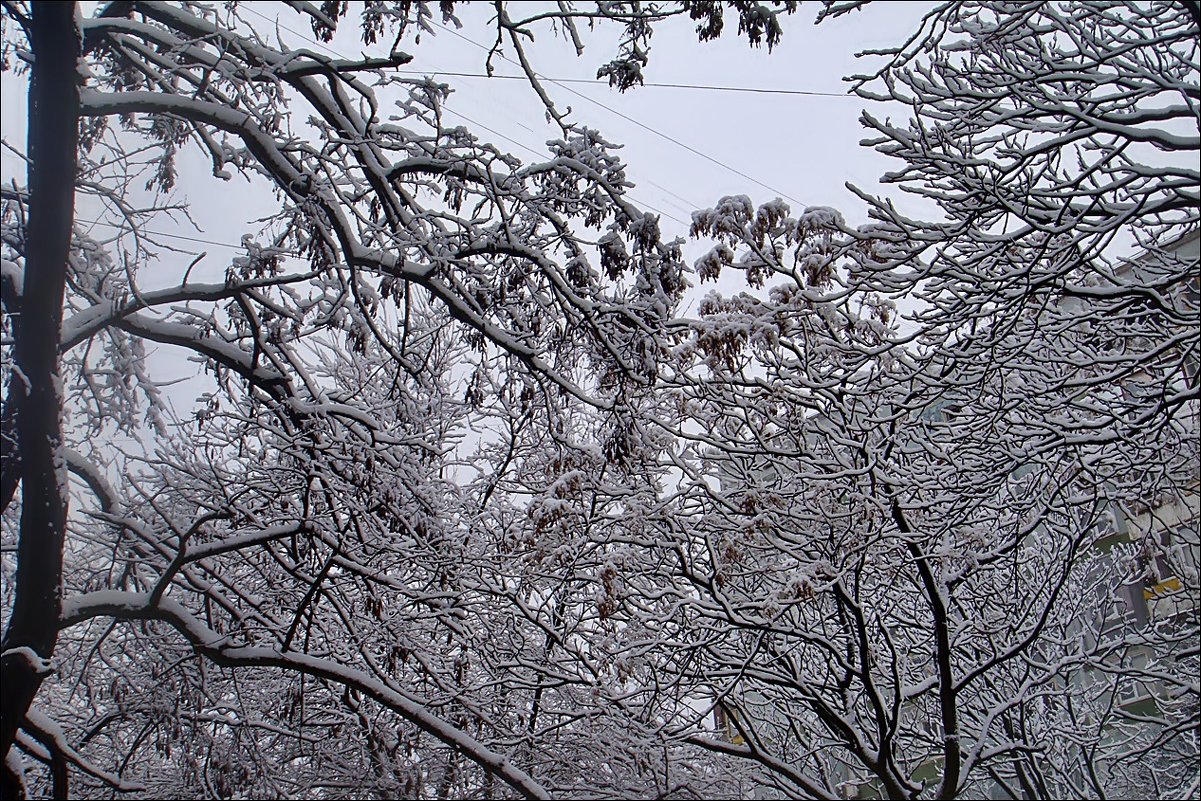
[(723, 719)]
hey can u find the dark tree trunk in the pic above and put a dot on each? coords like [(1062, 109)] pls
[(37, 396), (10, 460)]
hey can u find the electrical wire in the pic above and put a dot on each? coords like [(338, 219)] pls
[(648, 84), (164, 234)]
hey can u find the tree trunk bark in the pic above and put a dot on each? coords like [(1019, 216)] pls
[(53, 139)]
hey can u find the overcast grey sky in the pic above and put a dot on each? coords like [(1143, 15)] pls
[(804, 147)]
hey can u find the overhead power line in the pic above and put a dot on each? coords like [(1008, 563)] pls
[(164, 234), (648, 84)]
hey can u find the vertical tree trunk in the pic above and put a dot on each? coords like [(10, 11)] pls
[(53, 138)]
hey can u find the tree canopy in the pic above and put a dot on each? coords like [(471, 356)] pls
[(472, 508)]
